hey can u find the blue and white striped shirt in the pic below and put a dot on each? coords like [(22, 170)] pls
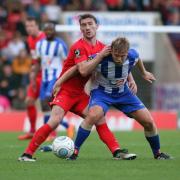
[(52, 54), (108, 73)]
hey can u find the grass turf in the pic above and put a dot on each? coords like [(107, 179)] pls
[(95, 161)]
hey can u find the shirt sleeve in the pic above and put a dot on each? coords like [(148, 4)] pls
[(134, 56), (80, 54)]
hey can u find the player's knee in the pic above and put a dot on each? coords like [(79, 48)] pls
[(57, 114), (29, 101), (149, 126), (94, 116)]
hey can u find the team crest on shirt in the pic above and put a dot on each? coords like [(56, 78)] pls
[(91, 57), (77, 53)]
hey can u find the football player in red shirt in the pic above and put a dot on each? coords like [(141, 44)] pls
[(33, 90), (71, 96), (34, 35)]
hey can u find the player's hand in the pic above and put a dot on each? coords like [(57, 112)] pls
[(132, 86), (105, 51), (148, 77)]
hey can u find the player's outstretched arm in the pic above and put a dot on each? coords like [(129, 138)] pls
[(132, 84), (66, 76), (148, 76), (87, 67)]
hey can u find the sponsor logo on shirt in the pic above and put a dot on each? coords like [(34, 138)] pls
[(77, 53)]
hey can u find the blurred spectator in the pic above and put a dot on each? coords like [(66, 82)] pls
[(74, 5), (131, 5), (44, 18), (35, 10), (19, 101), (115, 5), (3, 15), (87, 5), (63, 3), (44, 2), (53, 11), (3, 41), (100, 5), (15, 46), (4, 104), (20, 26), (26, 3), (13, 18), (21, 66), (8, 82)]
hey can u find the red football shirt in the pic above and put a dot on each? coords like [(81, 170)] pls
[(32, 41), (79, 51)]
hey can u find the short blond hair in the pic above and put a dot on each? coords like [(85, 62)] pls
[(120, 44)]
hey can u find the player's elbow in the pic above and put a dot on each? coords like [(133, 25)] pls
[(82, 70), (83, 73)]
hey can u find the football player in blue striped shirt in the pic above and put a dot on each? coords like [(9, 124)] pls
[(51, 52), (110, 88)]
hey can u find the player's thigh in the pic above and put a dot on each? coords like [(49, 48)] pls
[(57, 114), (144, 117), (81, 105), (64, 100)]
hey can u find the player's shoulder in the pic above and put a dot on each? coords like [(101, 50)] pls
[(29, 39), (41, 35), (133, 54), (59, 40), (77, 44), (41, 41), (101, 44)]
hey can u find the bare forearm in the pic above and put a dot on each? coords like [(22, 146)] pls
[(67, 75), (130, 77), (141, 67), (87, 67)]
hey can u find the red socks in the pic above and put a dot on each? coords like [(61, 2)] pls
[(39, 137), (107, 137), (32, 114)]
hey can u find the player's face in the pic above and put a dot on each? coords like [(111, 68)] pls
[(31, 28), (49, 31), (119, 57), (88, 27)]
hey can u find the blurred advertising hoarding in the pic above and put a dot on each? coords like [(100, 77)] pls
[(167, 96), (117, 121), (143, 42)]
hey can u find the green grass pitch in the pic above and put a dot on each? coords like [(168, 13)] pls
[(94, 162)]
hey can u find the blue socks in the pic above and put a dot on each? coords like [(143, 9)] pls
[(82, 135), (64, 123), (154, 143), (46, 118)]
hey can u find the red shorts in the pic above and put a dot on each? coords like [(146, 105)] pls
[(34, 93), (69, 102)]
